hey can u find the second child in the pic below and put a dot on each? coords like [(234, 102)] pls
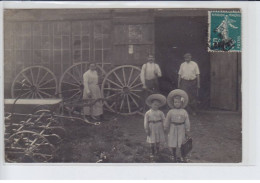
[(177, 123)]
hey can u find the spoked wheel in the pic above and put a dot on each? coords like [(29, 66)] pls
[(122, 90), (34, 82), (71, 82), (28, 146)]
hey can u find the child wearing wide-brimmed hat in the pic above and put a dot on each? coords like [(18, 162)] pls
[(177, 123), (153, 122)]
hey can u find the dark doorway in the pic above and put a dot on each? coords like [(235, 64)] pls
[(175, 36)]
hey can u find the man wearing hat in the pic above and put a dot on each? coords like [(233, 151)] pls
[(189, 80), (149, 75)]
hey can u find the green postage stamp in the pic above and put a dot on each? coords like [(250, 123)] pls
[(224, 31)]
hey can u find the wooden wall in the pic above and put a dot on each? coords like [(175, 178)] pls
[(59, 38)]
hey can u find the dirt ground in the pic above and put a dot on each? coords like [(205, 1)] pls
[(216, 138)]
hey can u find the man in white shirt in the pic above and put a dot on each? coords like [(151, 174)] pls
[(189, 80), (149, 75)]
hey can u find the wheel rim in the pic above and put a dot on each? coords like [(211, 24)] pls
[(28, 146), (71, 82), (122, 90), (37, 82)]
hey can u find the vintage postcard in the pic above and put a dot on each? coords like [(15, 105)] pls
[(123, 85)]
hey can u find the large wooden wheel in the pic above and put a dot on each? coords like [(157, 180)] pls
[(28, 146), (71, 82), (122, 90), (34, 82)]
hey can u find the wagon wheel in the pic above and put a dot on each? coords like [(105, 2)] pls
[(71, 82), (122, 90), (34, 82), (28, 146)]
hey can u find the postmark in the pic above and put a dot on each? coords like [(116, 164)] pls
[(224, 31)]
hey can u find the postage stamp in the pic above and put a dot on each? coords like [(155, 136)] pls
[(224, 31)]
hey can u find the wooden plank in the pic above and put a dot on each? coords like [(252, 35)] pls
[(33, 101), (224, 81), (239, 89)]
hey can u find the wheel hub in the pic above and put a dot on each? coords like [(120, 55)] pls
[(33, 88), (81, 86), (126, 89)]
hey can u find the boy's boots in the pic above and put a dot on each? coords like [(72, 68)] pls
[(152, 152), (183, 158), (157, 149), (173, 156)]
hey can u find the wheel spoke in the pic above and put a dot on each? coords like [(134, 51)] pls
[(135, 94), (122, 102), (75, 94), (42, 84), (48, 88), (134, 100), (70, 83), (22, 89), (25, 94), (23, 84), (32, 95), (123, 71), (49, 95), (43, 78), (113, 89), (40, 95), (73, 77), (29, 95), (112, 105), (113, 95), (27, 78), (136, 90), (114, 83), (38, 75), (130, 76), (128, 103), (139, 84), (138, 76), (32, 76), (76, 89), (118, 78)]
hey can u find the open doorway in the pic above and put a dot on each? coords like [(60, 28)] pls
[(175, 36)]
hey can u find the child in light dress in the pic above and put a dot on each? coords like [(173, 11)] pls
[(177, 123), (153, 123)]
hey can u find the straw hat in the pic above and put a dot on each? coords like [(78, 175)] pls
[(158, 97), (180, 93)]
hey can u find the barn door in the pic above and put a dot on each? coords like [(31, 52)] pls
[(224, 81)]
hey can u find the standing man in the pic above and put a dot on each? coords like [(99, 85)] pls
[(149, 77), (189, 81), (150, 74)]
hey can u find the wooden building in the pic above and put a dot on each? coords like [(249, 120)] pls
[(57, 39)]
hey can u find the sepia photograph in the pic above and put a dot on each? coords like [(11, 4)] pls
[(123, 85)]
